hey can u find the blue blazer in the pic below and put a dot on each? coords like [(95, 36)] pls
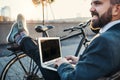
[(100, 59)]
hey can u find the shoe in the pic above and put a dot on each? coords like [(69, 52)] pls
[(17, 27)]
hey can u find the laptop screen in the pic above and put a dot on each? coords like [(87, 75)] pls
[(50, 49)]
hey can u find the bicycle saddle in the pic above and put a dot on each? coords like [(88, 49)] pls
[(41, 28)]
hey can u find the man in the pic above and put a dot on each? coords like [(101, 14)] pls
[(100, 59)]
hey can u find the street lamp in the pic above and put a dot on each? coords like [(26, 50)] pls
[(37, 2)]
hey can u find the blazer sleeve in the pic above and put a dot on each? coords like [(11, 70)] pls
[(95, 62)]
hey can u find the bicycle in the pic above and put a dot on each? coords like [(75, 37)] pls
[(31, 71)]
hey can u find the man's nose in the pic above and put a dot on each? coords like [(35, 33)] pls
[(92, 9)]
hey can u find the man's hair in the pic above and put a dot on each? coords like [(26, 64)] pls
[(115, 2)]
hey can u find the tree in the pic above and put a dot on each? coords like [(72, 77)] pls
[(37, 2)]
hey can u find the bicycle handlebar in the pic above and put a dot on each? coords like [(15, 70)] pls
[(72, 29), (80, 26)]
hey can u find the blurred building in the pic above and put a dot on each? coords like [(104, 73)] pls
[(5, 13)]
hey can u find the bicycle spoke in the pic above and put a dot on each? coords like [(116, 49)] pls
[(14, 70)]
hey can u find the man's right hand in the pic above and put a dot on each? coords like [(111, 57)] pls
[(72, 59)]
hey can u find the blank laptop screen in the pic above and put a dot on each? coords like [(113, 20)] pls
[(50, 49)]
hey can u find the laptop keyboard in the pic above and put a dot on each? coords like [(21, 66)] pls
[(52, 65)]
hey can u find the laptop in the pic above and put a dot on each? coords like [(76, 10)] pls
[(50, 50)]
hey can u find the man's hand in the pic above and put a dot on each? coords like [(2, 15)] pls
[(72, 59), (58, 62), (68, 59)]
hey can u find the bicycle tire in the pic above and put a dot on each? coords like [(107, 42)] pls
[(8, 72)]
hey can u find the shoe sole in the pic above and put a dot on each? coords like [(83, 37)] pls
[(9, 35), (22, 20), (23, 27)]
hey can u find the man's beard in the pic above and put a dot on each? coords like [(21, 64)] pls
[(103, 20)]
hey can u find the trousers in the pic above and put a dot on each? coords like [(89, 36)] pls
[(30, 47)]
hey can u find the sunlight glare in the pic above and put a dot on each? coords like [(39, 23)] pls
[(60, 9)]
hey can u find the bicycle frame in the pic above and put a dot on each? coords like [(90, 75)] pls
[(84, 39)]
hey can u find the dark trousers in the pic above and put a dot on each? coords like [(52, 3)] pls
[(30, 47)]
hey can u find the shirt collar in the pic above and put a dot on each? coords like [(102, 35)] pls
[(109, 25)]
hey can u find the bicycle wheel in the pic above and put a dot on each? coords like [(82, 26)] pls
[(21, 68)]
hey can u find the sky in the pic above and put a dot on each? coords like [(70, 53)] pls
[(59, 9)]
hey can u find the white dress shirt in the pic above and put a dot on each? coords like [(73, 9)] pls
[(109, 25)]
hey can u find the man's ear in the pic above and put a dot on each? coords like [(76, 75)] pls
[(116, 10)]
